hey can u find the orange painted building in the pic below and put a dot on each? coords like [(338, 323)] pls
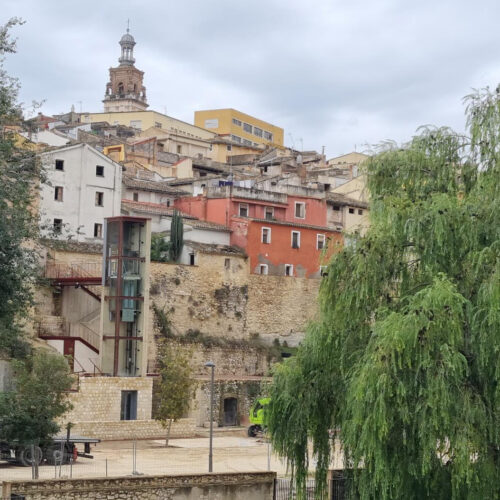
[(281, 234)]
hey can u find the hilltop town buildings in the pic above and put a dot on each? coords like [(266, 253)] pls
[(260, 223)]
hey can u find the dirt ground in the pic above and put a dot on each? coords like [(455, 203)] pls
[(231, 453)]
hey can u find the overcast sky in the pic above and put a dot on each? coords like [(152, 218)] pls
[(341, 73)]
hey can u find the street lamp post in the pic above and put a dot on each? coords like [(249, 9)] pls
[(211, 365)]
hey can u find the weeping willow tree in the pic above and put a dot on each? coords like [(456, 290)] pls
[(403, 365)]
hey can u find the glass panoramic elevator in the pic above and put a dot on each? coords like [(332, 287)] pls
[(125, 301)]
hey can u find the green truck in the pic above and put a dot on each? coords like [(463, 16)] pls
[(257, 416)]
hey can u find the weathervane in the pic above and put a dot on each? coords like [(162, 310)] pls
[(128, 25)]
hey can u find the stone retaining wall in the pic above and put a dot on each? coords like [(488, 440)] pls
[(248, 486), (134, 429)]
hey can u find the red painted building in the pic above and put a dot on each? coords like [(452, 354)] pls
[(281, 234)]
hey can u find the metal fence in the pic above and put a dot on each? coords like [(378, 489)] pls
[(151, 457), (284, 489)]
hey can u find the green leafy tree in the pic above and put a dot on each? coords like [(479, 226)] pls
[(176, 236), (160, 249), (19, 173), (403, 364), (176, 385), (29, 413)]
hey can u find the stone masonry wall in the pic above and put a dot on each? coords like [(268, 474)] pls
[(97, 405), (246, 485), (226, 301)]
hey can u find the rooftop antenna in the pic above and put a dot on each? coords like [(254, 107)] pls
[(128, 25), (291, 138)]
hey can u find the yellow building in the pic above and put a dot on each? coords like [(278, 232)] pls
[(143, 120), (239, 127)]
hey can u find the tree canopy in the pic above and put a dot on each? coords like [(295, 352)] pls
[(19, 173), (29, 412), (176, 384), (403, 363)]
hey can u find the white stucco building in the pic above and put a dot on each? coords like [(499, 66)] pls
[(83, 187)]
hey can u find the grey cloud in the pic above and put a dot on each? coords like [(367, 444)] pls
[(335, 73)]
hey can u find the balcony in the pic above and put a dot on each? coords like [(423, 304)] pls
[(246, 193)]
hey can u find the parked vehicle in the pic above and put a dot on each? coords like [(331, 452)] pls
[(257, 415), (59, 450)]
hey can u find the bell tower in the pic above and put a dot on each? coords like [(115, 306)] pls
[(125, 91)]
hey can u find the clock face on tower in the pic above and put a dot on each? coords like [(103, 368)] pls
[(125, 90)]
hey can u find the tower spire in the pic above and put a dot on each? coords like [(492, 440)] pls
[(127, 43), (125, 90)]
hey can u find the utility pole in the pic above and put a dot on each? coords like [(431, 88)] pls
[(211, 365)]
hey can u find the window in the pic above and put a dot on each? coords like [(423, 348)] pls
[(269, 213), (263, 269), (351, 210), (99, 199), (136, 124), (300, 210), (191, 259), (227, 263), (157, 124), (99, 171), (58, 224), (268, 136), (295, 239), (288, 270), (236, 122), (360, 212), (235, 138), (336, 208), (59, 164), (135, 196), (212, 123), (247, 128), (97, 230), (246, 142), (320, 241), (179, 149), (243, 210), (257, 131), (229, 147), (129, 405), (266, 235), (58, 193)]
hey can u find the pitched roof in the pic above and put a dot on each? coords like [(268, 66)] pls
[(291, 224), (151, 208), (342, 199), (210, 226), (216, 249), (72, 246), (154, 186)]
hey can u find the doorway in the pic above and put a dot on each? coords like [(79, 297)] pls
[(230, 411)]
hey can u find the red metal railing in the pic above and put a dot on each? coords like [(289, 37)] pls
[(61, 270)]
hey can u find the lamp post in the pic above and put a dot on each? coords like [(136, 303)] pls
[(211, 365)]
